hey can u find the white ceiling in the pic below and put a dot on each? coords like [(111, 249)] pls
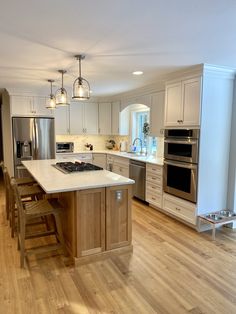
[(117, 37)]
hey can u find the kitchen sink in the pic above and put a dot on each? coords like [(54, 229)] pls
[(134, 154)]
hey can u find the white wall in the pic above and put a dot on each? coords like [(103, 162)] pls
[(232, 159)]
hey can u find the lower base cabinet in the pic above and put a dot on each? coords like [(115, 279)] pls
[(90, 221), (118, 217), (180, 208), (97, 220)]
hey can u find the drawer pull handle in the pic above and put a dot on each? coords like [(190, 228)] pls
[(177, 208), (153, 198), (153, 178)]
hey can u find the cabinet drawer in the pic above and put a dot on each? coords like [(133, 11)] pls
[(180, 208), (122, 161), (154, 198), (121, 170), (110, 158), (152, 178), (154, 169), (153, 188)]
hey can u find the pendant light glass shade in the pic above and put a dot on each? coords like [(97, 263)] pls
[(81, 87), (61, 93), (51, 101)]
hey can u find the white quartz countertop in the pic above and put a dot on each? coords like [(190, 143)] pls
[(53, 180), (147, 159)]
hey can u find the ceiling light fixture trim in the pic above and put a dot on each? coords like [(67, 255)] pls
[(81, 87), (51, 101), (61, 94)]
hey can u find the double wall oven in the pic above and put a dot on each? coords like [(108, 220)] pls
[(181, 163)]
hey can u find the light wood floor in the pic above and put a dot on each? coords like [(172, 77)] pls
[(172, 270)]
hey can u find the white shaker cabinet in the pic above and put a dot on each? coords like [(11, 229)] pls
[(29, 106), (83, 118), (90, 118), (100, 160), (115, 118), (76, 117), (62, 124), (104, 118), (157, 114), (183, 103)]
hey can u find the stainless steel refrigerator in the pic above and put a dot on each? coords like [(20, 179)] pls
[(33, 138)]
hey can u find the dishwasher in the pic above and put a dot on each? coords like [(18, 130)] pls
[(137, 172)]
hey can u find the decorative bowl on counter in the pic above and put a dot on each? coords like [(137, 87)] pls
[(110, 144)]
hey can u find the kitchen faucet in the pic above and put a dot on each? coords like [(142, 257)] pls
[(141, 143)]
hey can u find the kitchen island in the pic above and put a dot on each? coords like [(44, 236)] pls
[(97, 208)]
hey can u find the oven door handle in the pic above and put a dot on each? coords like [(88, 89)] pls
[(181, 142), (180, 164)]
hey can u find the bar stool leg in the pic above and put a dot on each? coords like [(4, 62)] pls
[(60, 232), (22, 241)]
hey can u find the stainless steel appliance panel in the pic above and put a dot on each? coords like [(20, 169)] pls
[(33, 138), (182, 133), (183, 150), (64, 147), (137, 172), (44, 138), (180, 179)]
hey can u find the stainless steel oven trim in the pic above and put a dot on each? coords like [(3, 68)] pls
[(196, 133), (192, 196), (193, 159)]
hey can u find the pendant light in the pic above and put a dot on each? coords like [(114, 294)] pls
[(51, 101), (81, 87), (61, 93)]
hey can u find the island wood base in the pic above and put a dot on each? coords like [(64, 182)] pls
[(97, 222)]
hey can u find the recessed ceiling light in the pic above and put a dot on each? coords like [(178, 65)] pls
[(137, 72)]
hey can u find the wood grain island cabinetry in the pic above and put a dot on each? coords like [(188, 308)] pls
[(97, 221)]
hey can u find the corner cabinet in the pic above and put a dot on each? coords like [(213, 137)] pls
[(29, 106), (183, 103)]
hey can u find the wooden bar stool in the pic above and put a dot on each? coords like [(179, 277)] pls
[(20, 181), (36, 209), (26, 192)]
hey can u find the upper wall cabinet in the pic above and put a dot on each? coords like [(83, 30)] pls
[(157, 114), (104, 118), (62, 123), (29, 106), (115, 118), (183, 103), (78, 118), (90, 118)]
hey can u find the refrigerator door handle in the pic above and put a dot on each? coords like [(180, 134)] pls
[(36, 140), (33, 140)]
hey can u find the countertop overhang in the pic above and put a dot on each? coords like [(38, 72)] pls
[(53, 180)]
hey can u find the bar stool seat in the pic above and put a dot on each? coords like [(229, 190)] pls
[(25, 181)]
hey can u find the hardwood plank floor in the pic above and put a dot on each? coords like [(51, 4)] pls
[(172, 269)]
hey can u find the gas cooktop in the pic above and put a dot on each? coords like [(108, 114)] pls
[(68, 167)]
